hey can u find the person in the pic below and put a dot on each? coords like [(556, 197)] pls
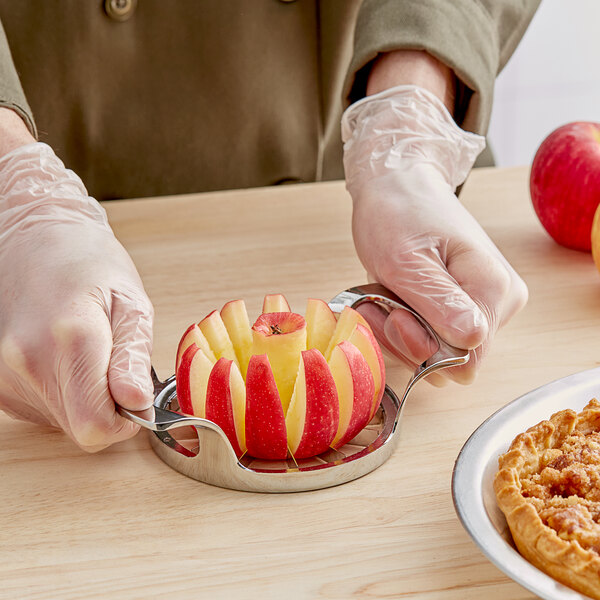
[(152, 98)]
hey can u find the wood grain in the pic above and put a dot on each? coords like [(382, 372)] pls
[(120, 524)]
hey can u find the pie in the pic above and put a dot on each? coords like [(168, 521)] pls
[(548, 487)]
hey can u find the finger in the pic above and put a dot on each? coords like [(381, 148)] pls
[(425, 284), (81, 398), (377, 317), (408, 336), (129, 377)]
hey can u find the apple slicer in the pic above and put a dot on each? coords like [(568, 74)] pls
[(200, 449)]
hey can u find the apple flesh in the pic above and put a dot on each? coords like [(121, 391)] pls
[(282, 337), (565, 183), (320, 324), (285, 386), (235, 318)]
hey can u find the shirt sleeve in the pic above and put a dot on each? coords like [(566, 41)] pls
[(11, 92), (475, 38)]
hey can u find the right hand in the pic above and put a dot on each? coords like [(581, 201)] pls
[(75, 321), (404, 156)]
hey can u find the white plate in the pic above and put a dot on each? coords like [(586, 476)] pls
[(477, 463)]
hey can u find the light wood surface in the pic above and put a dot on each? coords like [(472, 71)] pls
[(121, 524)]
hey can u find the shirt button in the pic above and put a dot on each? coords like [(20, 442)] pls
[(120, 10)]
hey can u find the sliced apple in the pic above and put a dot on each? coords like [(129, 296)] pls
[(320, 324), (346, 323), (192, 381), (312, 419), (282, 337), (193, 335), (235, 318), (215, 332), (364, 339), (354, 384), (266, 435), (226, 402), (275, 303)]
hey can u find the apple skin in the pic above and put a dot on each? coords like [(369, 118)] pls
[(355, 386), (363, 338), (266, 434), (313, 415), (565, 183), (596, 238), (219, 403), (192, 381)]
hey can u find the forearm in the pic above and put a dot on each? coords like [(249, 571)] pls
[(413, 67), (13, 131)]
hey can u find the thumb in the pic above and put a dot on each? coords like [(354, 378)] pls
[(129, 377)]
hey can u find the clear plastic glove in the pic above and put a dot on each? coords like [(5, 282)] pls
[(404, 156), (75, 322)]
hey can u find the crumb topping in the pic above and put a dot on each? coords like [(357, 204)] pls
[(565, 489)]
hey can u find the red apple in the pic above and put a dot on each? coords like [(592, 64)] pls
[(354, 382), (266, 435), (222, 402), (565, 183), (596, 238), (286, 385), (313, 415)]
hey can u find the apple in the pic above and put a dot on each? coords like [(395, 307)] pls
[(192, 380), (320, 324), (596, 238), (266, 434), (193, 335), (354, 382), (226, 402), (281, 336), (362, 337), (565, 183), (235, 318), (313, 415), (275, 303), (215, 332), (285, 386)]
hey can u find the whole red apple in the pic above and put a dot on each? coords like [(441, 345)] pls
[(565, 183)]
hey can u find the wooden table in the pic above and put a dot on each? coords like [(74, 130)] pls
[(121, 524)]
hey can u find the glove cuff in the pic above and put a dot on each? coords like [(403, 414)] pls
[(405, 123), (34, 180)]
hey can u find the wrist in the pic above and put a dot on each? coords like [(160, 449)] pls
[(413, 67), (403, 126), (35, 182), (13, 131)]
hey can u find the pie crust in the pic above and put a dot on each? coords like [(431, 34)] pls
[(548, 487)]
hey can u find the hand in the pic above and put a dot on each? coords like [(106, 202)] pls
[(75, 322), (414, 236)]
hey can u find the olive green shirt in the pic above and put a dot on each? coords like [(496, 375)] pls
[(153, 98)]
